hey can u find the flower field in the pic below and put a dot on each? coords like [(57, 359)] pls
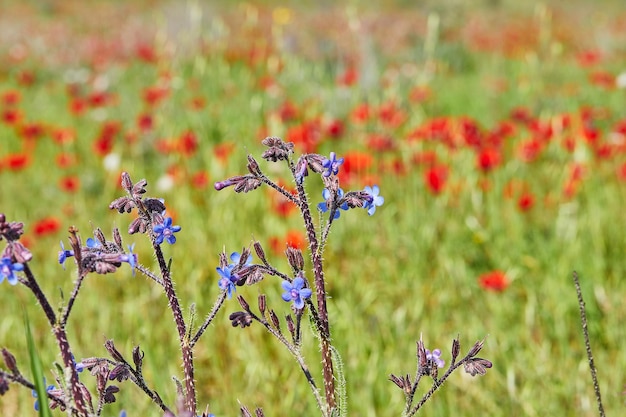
[(496, 133)]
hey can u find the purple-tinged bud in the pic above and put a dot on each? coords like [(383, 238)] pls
[(3, 218), (477, 366), (249, 184), (476, 348), (275, 321), (244, 304), (316, 162), (300, 170), (422, 360), (260, 252), (109, 394), (291, 326), (241, 319), (456, 349), (138, 357), (253, 166), (220, 185), (137, 226), (10, 362), (122, 205), (120, 372), (295, 258), (403, 382), (21, 253), (262, 304), (127, 183), (154, 205), (117, 237), (115, 354), (139, 188)]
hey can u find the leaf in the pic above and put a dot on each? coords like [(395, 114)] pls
[(37, 370)]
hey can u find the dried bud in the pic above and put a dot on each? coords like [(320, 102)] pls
[(456, 349), (403, 382), (10, 362), (247, 185), (137, 226), (355, 199), (123, 204), (477, 366), (295, 258), (244, 304), (127, 183), (422, 360), (115, 354), (21, 252), (300, 170), (278, 150), (262, 303), (259, 412), (253, 166), (154, 205), (139, 188), (316, 162), (291, 326), (100, 236), (259, 252), (117, 238), (138, 357), (241, 319), (275, 321), (109, 394), (476, 348), (245, 412), (120, 373), (11, 231)]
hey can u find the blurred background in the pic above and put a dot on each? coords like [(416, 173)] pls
[(495, 130)]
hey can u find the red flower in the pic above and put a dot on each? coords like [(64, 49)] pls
[(146, 53), (145, 122), (47, 226), (435, 178), (69, 184), (200, 179), (11, 116), (198, 103), (65, 160), (526, 201), (153, 95), (32, 131), (223, 150), (361, 113), (335, 129), (349, 77), (488, 159), (188, 143), (293, 238), (77, 106), (288, 111), (17, 161), (11, 97), (63, 136), (493, 281)]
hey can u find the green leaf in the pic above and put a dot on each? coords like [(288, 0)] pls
[(37, 370)]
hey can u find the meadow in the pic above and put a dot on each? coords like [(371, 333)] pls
[(496, 132)]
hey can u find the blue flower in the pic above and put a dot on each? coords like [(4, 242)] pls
[(377, 200), (235, 257), (227, 282), (64, 254), (435, 356), (80, 366), (130, 257), (165, 231), (123, 413), (323, 206), (48, 389), (331, 165), (93, 243), (8, 268), (295, 291)]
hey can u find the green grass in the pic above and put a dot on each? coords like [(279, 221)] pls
[(410, 270)]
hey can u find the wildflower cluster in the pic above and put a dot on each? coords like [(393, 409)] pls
[(302, 288)]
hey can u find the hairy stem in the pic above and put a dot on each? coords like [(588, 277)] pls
[(320, 288), (583, 322), (185, 345)]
